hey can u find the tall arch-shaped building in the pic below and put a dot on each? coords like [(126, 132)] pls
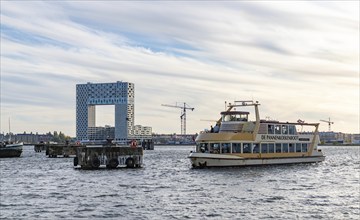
[(120, 94)]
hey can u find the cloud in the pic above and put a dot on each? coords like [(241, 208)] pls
[(297, 59)]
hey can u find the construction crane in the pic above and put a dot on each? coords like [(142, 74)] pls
[(329, 123), (183, 114)]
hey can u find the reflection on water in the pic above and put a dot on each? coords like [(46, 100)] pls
[(35, 186)]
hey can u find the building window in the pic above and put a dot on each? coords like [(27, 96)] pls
[(246, 148), (291, 147), (298, 147), (203, 148), (277, 129), (236, 148), (292, 129), (256, 148), (278, 148), (271, 148), (264, 148), (304, 147), (284, 129), (214, 148), (285, 148), (225, 148), (271, 129)]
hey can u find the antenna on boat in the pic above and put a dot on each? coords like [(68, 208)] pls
[(301, 122), (9, 131)]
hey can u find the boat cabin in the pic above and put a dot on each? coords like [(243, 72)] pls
[(234, 116), (235, 121)]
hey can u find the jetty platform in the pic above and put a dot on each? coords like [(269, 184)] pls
[(109, 156), (56, 150)]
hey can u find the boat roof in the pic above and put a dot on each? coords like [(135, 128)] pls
[(288, 123), (234, 113)]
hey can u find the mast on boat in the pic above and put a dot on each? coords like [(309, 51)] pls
[(9, 131)]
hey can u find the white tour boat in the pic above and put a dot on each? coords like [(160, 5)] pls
[(237, 141)]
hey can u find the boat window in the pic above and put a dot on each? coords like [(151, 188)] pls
[(292, 129), (236, 147), (198, 147), (298, 147), (271, 148), (246, 148), (214, 148), (304, 147), (277, 129), (256, 148), (243, 117), (278, 147), (285, 148), (271, 129), (284, 129), (203, 147), (226, 118), (225, 148), (264, 148), (291, 147)]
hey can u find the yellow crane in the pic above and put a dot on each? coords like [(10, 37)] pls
[(183, 108), (329, 123)]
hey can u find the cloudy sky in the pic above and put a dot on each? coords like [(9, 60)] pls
[(300, 60)]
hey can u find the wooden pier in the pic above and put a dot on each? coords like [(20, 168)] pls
[(40, 147), (55, 150)]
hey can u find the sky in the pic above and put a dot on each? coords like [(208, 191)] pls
[(299, 59)]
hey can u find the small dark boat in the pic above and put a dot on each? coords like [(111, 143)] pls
[(10, 149)]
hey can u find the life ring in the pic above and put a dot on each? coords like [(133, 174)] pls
[(133, 144)]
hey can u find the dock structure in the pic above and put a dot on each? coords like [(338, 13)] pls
[(56, 150), (147, 144), (39, 147), (110, 156)]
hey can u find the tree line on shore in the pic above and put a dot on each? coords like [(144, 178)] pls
[(58, 137)]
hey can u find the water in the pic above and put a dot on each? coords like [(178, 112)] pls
[(37, 187)]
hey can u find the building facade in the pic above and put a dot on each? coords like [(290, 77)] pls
[(101, 133), (27, 138), (119, 94)]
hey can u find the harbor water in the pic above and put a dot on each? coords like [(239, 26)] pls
[(166, 187)]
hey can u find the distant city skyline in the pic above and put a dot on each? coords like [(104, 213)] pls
[(300, 60)]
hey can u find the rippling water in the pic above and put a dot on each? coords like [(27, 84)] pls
[(35, 186)]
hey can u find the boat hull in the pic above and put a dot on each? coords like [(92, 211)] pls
[(199, 160), (11, 151)]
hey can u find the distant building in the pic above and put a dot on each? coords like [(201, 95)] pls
[(355, 138), (120, 94), (27, 138), (140, 132), (330, 137), (101, 133), (174, 139)]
